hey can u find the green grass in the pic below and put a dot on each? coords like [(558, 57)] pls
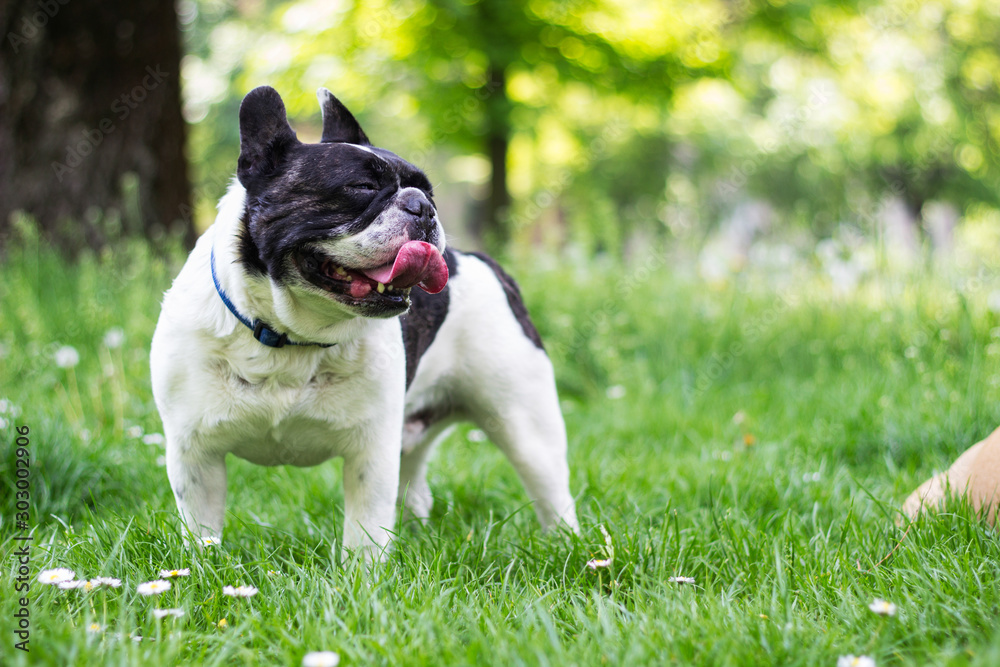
[(845, 404)]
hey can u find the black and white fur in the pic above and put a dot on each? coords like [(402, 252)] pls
[(403, 367)]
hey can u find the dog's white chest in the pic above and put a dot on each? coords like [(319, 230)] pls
[(286, 417), (280, 407), (271, 424)]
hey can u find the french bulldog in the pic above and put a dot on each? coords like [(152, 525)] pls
[(322, 315)]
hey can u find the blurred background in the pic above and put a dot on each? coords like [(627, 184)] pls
[(742, 133)]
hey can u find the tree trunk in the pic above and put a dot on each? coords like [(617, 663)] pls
[(494, 228), (91, 132)]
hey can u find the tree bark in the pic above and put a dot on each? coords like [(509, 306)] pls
[(494, 228), (91, 131)]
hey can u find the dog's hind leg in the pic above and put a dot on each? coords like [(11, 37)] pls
[(526, 424), (199, 488), (419, 441)]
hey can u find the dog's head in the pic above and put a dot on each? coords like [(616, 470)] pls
[(341, 219)]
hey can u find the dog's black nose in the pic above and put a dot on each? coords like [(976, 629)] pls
[(415, 202)]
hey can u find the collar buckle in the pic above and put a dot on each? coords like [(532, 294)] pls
[(267, 336)]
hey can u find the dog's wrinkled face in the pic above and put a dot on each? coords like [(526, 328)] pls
[(340, 218)]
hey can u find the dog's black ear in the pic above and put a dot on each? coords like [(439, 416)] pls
[(338, 123), (265, 135)]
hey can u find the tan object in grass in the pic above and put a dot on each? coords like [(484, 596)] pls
[(976, 473)]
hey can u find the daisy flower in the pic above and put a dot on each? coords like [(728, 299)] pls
[(321, 659), (153, 587), (239, 591), (94, 628), (852, 661), (222, 624), (72, 584), (615, 392), (67, 357), (162, 613), (210, 540), (114, 338), (56, 576), (110, 582), (883, 608), (681, 580), (153, 439), (595, 563), (170, 574)]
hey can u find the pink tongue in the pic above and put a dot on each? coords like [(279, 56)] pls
[(418, 263)]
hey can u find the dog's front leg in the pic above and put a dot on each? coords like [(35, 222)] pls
[(371, 479), (199, 486)]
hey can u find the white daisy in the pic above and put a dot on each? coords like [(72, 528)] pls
[(681, 580), (110, 582), (321, 659), (595, 563), (615, 392), (134, 431), (852, 661), (56, 576), (153, 439), (114, 338), (153, 587), (993, 302), (94, 628), (72, 584), (162, 613), (883, 608), (170, 574), (67, 357), (239, 591), (210, 540)]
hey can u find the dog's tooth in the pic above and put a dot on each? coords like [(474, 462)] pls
[(340, 271), (388, 287), (350, 278), (381, 288)]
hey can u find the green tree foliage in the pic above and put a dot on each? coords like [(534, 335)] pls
[(609, 118)]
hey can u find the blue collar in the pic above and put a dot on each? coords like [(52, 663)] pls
[(261, 331)]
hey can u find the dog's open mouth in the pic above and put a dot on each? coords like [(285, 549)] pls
[(417, 264)]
